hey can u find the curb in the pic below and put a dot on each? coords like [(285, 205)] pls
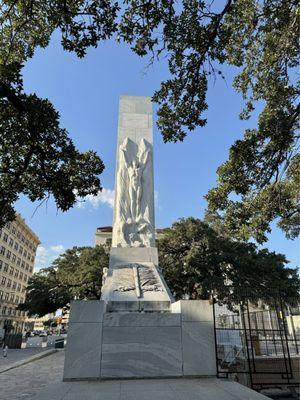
[(28, 360)]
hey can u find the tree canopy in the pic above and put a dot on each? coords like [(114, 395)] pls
[(76, 274), (196, 260), (258, 39)]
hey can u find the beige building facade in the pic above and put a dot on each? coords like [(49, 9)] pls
[(18, 244), (38, 324)]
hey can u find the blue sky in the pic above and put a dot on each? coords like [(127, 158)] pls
[(86, 93)]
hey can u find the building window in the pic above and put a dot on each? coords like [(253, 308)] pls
[(1, 294), (11, 242), (21, 250), (8, 254), (13, 258), (5, 269), (21, 275), (3, 280), (13, 230), (6, 296), (14, 285), (23, 264), (19, 287), (16, 273), (1, 263), (8, 283), (12, 298), (4, 311), (25, 254), (5, 237), (19, 261), (17, 299), (32, 258), (25, 278), (16, 246), (2, 250), (11, 271)]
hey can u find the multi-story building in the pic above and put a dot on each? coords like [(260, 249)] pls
[(18, 244), (39, 323)]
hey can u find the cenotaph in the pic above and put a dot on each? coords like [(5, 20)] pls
[(137, 330), (133, 281)]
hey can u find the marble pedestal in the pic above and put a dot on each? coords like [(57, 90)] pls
[(112, 345), (139, 296)]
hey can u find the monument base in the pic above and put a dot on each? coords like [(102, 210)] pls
[(112, 345), (134, 281)]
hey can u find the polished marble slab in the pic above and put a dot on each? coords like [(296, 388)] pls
[(141, 319), (140, 344), (87, 311), (198, 347), (83, 351)]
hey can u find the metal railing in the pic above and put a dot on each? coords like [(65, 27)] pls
[(258, 340)]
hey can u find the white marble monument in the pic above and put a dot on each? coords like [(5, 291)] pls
[(137, 330), (133, 281)]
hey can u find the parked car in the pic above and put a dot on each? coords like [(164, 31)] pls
[(43, 334)]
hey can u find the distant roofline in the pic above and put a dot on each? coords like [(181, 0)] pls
[(104, 228), (20, 219)]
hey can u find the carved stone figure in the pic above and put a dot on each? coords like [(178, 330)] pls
[(132, 221)]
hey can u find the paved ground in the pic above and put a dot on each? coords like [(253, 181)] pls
[(14, 355), (26, 381), (41, 380)]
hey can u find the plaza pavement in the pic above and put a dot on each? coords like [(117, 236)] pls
[(42, 380), (18, 355)]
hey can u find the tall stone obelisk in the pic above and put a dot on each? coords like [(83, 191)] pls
[(133, 281), (134, 194), (136, 330)]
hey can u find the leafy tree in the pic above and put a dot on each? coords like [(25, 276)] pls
[(75, 274), (195, 260), (258, 38), (37, 158)]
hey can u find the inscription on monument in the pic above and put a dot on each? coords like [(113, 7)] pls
[(136, 276)]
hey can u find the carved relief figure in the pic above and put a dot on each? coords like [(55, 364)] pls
[(132, 222)]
